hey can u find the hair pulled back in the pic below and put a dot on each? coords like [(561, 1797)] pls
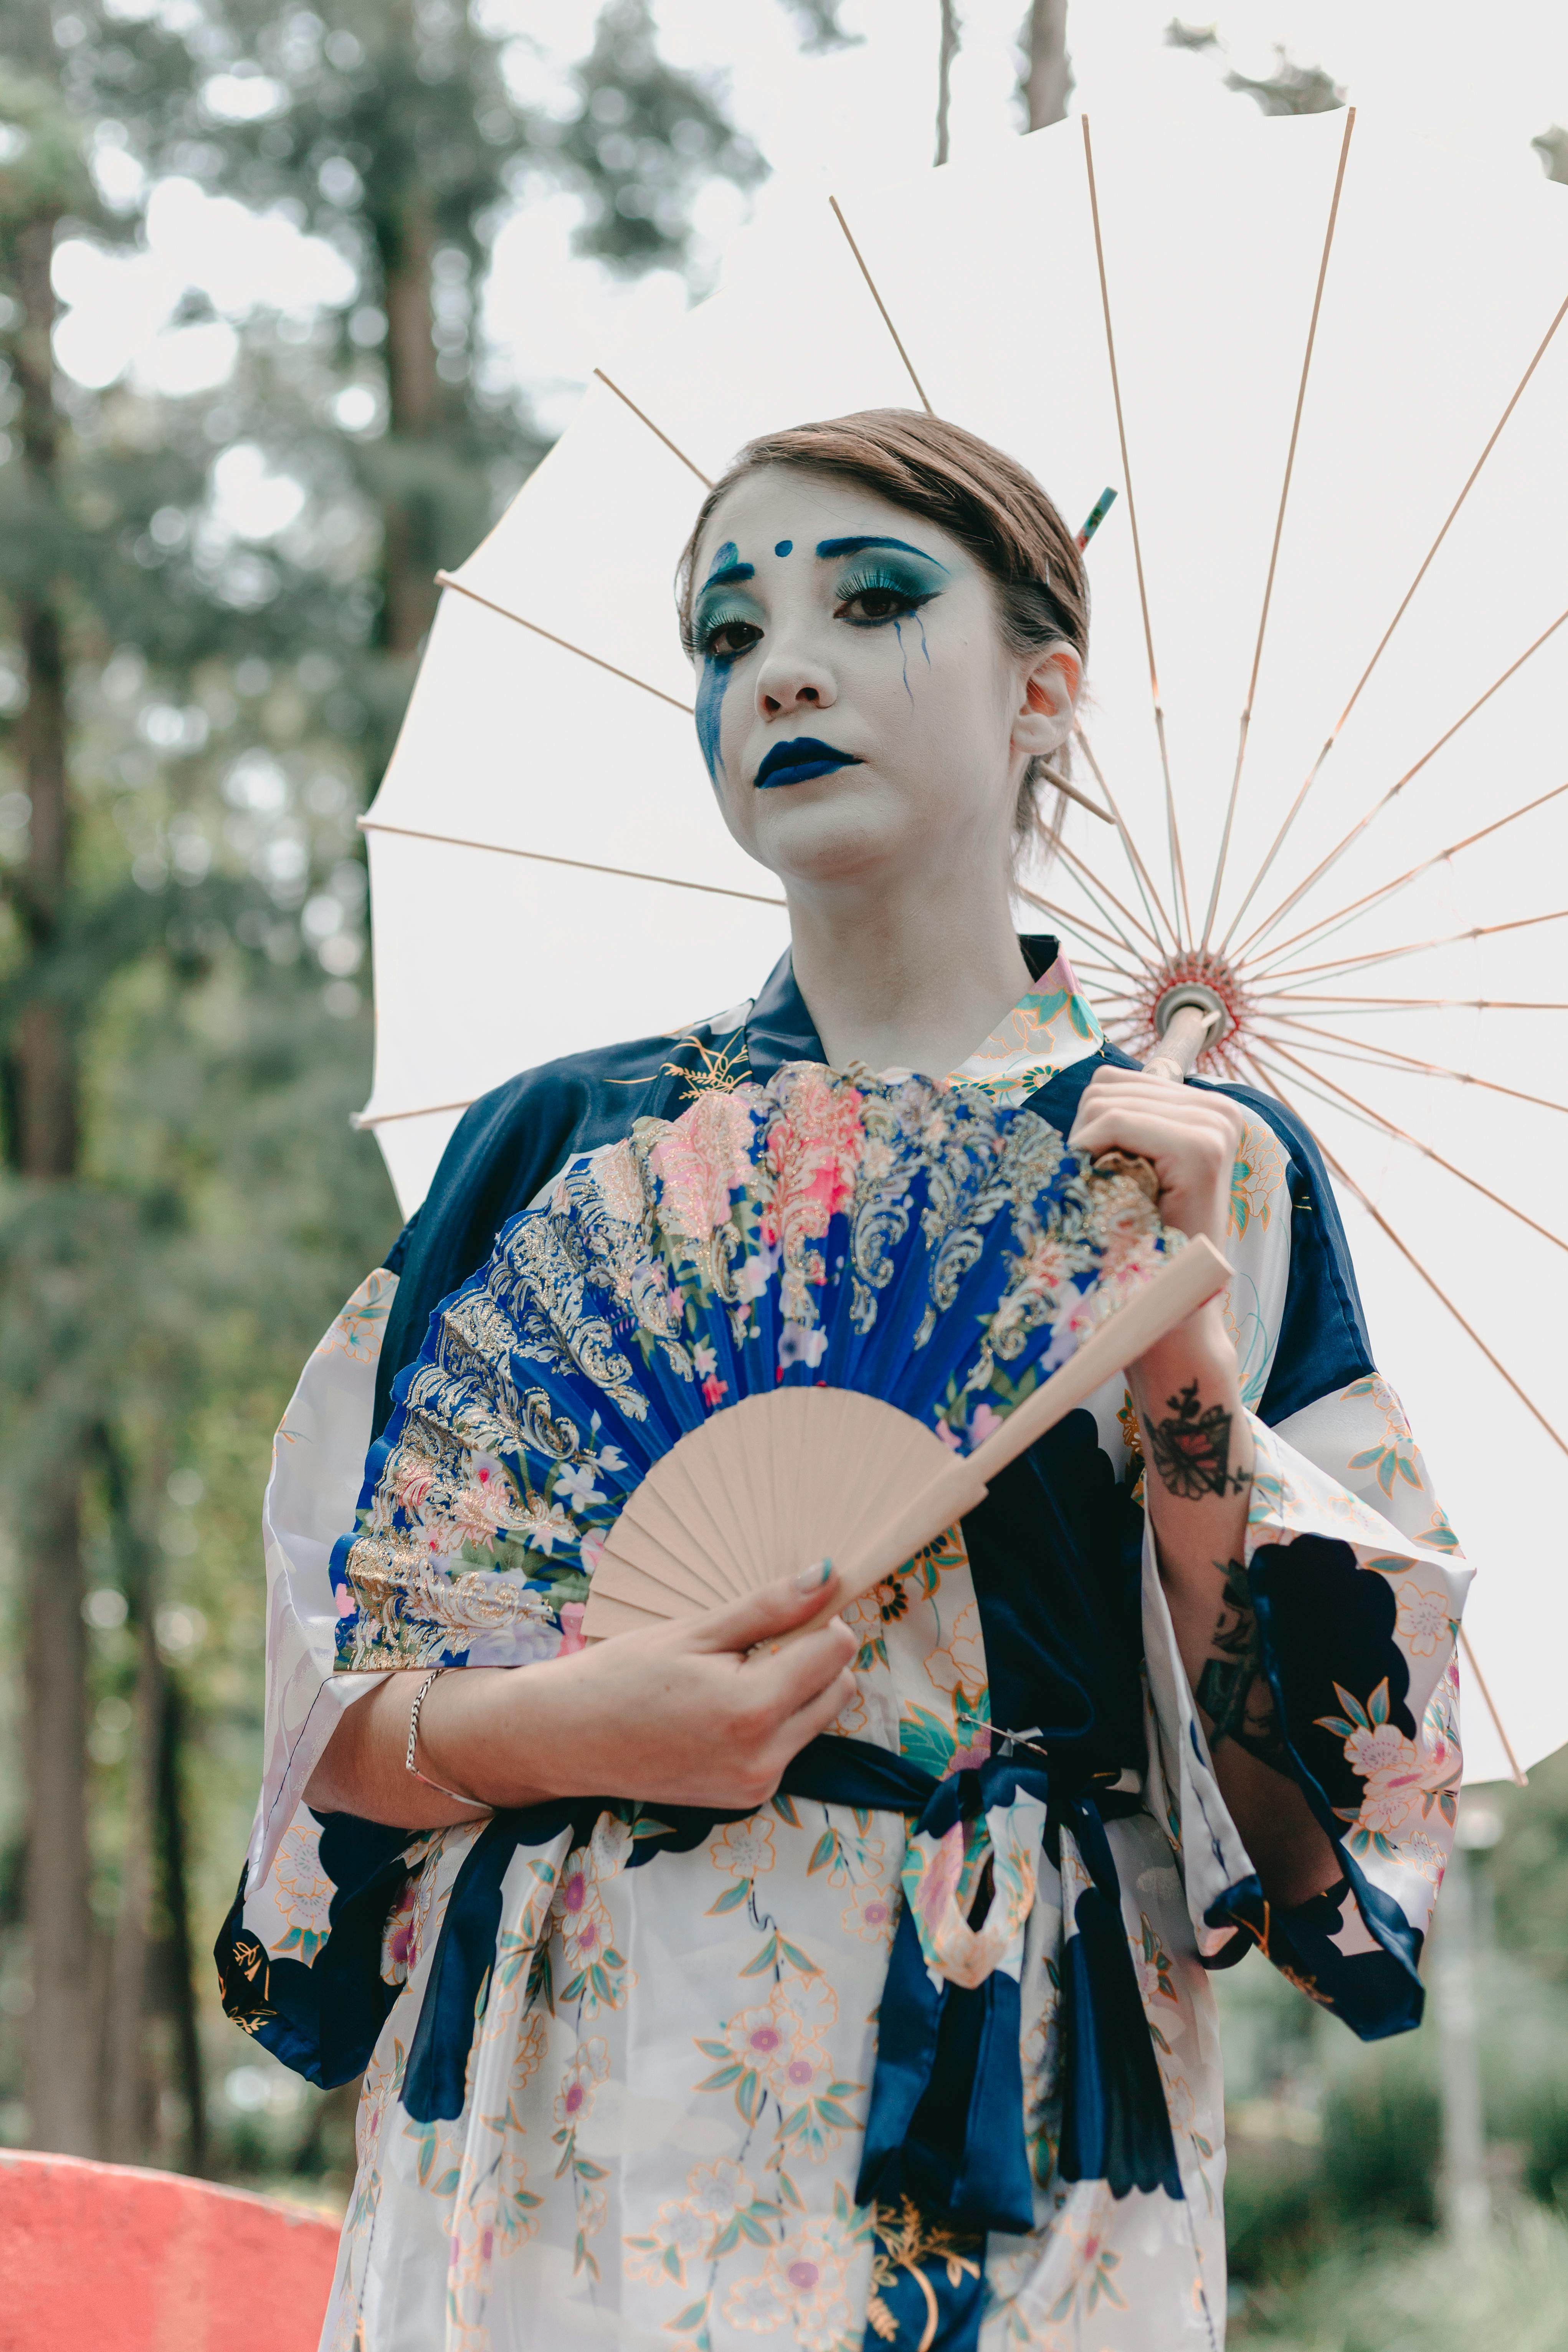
[(980, 496)]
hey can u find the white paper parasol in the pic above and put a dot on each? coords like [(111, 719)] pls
[(1319, 364)]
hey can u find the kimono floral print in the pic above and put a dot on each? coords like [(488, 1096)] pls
[(663, 2096)]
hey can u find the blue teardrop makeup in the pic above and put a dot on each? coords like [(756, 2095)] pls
[(721, 603)]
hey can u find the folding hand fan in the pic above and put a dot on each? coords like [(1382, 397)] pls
[(812, 1318)]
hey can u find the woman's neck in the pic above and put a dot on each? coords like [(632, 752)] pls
[(908, 979)]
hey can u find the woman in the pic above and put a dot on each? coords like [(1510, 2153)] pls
[(688, 2007)]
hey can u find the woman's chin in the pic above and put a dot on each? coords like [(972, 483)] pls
[(824, 839)]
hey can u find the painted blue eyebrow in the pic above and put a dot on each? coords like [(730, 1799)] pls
[(727, 570), (827, 547)]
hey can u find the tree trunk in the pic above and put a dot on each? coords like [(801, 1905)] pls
[(414, 408), (1047, 74), (946, 53), (61, 2041), (173, 1882), (61, 2044), (126, 2088)]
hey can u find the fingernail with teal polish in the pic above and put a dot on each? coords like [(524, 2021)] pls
[(813, 1578)]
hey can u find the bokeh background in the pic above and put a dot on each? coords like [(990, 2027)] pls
[(291, 300)]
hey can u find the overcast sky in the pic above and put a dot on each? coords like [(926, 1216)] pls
[(1497, 74)]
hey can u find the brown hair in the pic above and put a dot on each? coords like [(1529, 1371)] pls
[(982, 497)]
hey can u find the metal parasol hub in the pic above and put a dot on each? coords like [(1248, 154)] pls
[(1194, 982)]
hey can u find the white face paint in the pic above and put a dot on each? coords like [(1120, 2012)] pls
[(860, 712)]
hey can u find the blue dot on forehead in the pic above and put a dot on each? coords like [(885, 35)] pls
[(784, 547)]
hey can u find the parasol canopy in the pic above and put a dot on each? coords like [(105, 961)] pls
[(1318, 362)]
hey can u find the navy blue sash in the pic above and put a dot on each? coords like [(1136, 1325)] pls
[(946, 2120)]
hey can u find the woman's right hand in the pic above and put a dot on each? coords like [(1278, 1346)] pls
[(691, 1713)]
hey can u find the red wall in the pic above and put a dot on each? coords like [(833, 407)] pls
[(107, 2257)]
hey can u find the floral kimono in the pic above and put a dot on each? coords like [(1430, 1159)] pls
[(645, 2076)]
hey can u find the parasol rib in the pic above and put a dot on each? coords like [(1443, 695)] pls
[(644, 418), (1375, 1056), (1153, 905), (1521, 1778), (581, 864), (1072, 792), (1080, 925), (1393, 790), (887, 321), (1403, 1135), (1089, 883), (1471, 1332), (1376, 1214), (1414, 946), (1426, 561), (1279, 532), (446, 580), (389, 1117), (1431, 1004), (1323, 927), (1178, 871)]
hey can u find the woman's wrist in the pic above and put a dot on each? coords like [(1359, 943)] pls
[(484, 1730)]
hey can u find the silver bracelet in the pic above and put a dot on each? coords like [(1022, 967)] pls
[(441, 1790)]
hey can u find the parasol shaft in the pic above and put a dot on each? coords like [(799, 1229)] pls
[(1187, 1034)]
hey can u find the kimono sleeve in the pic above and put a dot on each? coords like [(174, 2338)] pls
[(1357, 1585), (308, 1884)]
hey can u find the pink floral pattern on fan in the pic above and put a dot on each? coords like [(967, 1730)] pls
[(701, 1161), (815, 1150)]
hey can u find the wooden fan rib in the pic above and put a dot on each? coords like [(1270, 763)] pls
[(705, 1509), (1191, 1275)]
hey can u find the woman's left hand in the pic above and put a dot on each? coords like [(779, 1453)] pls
[(1189, 1138)]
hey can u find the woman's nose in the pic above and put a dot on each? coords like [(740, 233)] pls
[(793, 681)]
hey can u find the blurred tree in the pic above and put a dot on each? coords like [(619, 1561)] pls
[(820, 27), (1044, 81), (42, 177), (214, 599), (1291, 89), (950, 41), (1552, 149)]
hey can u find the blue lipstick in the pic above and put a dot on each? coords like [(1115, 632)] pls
[(797, 762)]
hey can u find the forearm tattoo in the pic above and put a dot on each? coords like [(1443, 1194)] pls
[(1191, 1448), (1233, 1689)]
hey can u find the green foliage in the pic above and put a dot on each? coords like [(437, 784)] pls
[(231, 693), (1382, 2296)]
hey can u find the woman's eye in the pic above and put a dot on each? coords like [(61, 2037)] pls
[(729, 638), (884, 600)]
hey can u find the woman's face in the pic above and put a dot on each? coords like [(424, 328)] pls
[(858, 709)]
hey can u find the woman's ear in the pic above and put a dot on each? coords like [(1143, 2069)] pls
[(1043, 720)]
